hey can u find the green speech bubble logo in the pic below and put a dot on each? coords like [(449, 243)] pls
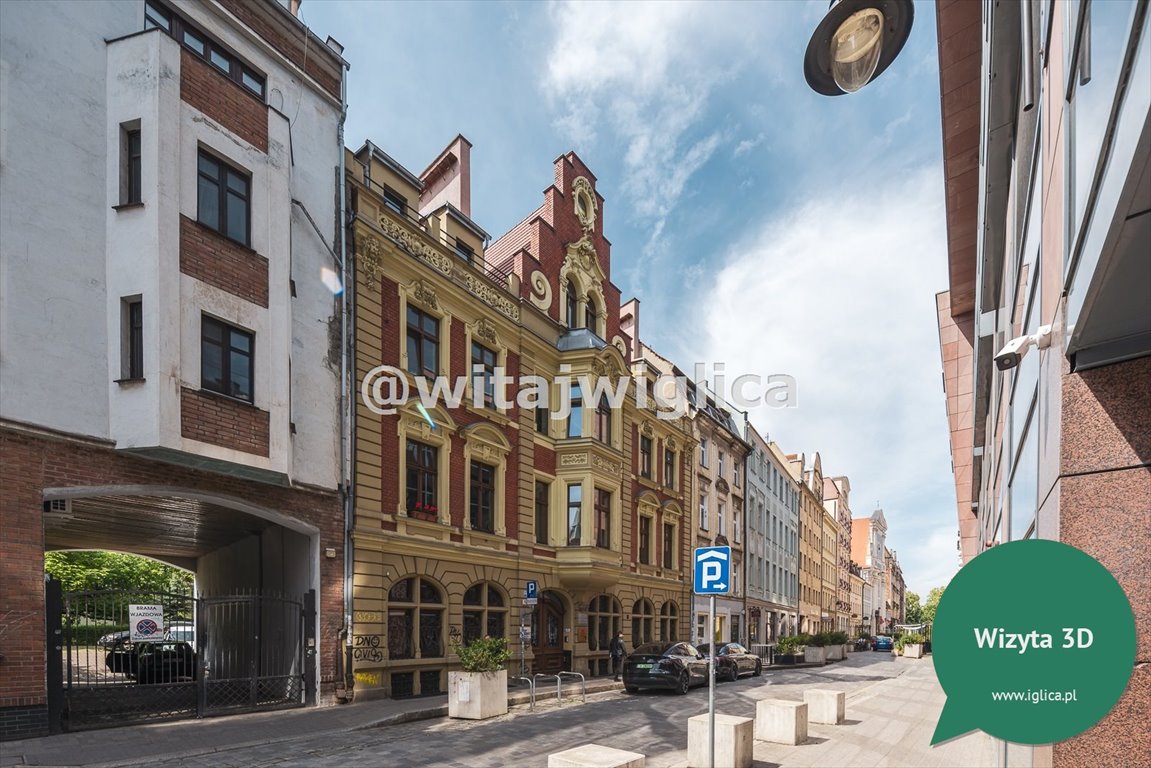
[(1034, 642)]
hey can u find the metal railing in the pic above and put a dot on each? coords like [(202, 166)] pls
[(557, 679), (582, 682), (765, 651), (531, 690)]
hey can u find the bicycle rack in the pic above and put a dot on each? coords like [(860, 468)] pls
[(582, 682), (531, 690), (558, 682)]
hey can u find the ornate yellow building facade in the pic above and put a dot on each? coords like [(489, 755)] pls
[(462, 508)]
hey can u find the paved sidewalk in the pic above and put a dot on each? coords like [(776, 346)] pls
[(171, 741)]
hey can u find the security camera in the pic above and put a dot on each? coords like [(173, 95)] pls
[(1012, 354)]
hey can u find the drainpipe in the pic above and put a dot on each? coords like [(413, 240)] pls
[(346, 405)]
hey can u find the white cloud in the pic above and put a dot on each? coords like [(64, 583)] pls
[(839, 293), (745, 146), (644, 72)]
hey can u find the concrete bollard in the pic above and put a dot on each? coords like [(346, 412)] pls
[(595, 756), (781, 721), (734, 739), (825, 706)]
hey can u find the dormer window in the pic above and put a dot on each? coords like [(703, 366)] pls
[(464, 251)]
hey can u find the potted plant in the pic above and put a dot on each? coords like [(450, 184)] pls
[(480, 689), (815, 649), (787, 650), (836, 646), (912, 645)]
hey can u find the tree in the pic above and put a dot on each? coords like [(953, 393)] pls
[(90, 571), (931, 604), (914, 612)]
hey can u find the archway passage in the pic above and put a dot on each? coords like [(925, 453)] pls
[(240, 642), (547, 634)]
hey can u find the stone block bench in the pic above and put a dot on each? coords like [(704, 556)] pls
[(734, 739), (595, 756), (781, 721), (823, 706)]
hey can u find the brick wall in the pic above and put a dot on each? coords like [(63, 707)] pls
[(304, 53), (223, 421), (34, 462), (224, 100), (209, 256)]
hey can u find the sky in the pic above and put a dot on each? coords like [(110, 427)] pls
[(761, 225)]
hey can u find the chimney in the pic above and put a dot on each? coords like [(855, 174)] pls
[(449, 179)]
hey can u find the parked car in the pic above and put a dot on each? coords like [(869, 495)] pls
[(677, 666), (121, 656), (181, 631), (167, 662), (733, 660), (112, 639), (883, 643)]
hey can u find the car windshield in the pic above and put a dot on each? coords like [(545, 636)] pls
[(705, 648), (653, 649)]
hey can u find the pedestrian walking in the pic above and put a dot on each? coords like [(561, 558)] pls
[(617, 651)]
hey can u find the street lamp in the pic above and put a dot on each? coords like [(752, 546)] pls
[(856, 41)]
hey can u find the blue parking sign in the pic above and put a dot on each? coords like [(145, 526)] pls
[(712, 570)]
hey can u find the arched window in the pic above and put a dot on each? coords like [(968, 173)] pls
[(642, 616), (603, 621), (669, 622), (415, 619), (591, 315), (572, 305), (485, 612), (575, 412)]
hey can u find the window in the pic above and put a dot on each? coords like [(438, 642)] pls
[(131, 189), (642, 618), (422, 471), (156, 15), (603, 622), (722, 527), (542, 512), (668, 622), (485, 612), (575, 513), (415, 619), (603, 420), (722, 464), (669, 468), (483, 497), (575, 416), (735, 474), (669, 546), (735, 524), (703, 451), (572, 305), (395, 201), (645, 539), (645, 457), (602, 518), (222, 200), (591, 315), (225, 359), (703, 512), (132, 338), (543, 419), (423, 343), (464, 251), (484, 371)]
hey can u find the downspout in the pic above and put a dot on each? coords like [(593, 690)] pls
[(346, 405)]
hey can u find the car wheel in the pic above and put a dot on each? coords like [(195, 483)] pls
[(758, 668), (684, 683), (631, 689), (732, 673)]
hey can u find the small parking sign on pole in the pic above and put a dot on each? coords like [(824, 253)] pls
[(712, 577)]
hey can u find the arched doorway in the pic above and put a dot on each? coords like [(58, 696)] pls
[(547, 634)]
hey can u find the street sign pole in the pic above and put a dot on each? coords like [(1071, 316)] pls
[(711, 684)]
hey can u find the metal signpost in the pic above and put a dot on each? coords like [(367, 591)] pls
[(531, 598), (712, 577)]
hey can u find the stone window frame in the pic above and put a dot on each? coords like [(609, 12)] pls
[(484, 333), (416, 605), (485, 608), (640, 616), (485, 443), (412, 425), (613, 616), (421, 294), (538, 479), (673, 516), (668, 621)]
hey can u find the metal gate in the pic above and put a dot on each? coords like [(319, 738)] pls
[(217, 655)]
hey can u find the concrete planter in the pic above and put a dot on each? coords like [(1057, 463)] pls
[(849, 648), (913, 651), (813, 655), (477, 695), (834, 652)]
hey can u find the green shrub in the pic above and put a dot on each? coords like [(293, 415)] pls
[(839, 638), (819, 640), (787, 646), (88, 634), (487, 654), (913, 638)]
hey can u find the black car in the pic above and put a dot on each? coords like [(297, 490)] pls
[(734, 660), (677, 666), (167, 662)]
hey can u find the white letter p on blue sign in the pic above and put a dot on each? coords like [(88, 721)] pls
[(712, 570)]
